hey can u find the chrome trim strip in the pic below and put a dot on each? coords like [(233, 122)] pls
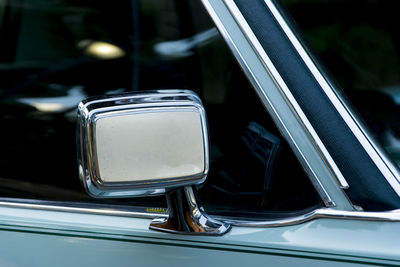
[(327, 213), (110, 212), (291, 122), (386, 167)]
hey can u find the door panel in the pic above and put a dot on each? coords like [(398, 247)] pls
[(50, 238)]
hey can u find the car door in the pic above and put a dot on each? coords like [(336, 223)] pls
[(329, 197)]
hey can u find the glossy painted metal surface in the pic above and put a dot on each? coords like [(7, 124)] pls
[(279, 101), (73, 239), (94, 110)]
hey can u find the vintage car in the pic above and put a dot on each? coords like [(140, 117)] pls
[(207, 133)]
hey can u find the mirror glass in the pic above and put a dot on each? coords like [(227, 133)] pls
[(149, 145)]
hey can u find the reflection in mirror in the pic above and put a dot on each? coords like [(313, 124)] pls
[(152, 145)]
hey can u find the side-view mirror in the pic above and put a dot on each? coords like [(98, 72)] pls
[(148, 143)]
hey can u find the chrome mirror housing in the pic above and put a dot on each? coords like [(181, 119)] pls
[(142, 144), (147, 143)]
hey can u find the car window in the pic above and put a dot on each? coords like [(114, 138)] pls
[(359, 45), (53, 54)]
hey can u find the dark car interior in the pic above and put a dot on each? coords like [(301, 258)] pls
[(56, 53)]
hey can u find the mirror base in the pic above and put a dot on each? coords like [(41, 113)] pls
[(186, 217)]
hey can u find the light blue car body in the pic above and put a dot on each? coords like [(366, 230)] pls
[(51, 238), (37, 236)]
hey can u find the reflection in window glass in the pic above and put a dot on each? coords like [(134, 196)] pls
[(54, 53), (359, 41)]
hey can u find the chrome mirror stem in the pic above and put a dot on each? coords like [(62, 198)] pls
[(186, 217)]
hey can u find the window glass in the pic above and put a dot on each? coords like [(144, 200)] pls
[(359, 42), (54, 53)]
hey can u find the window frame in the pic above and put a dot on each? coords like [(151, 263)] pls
[(380, 161), (280, 102)]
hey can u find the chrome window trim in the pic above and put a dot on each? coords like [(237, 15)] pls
[(323, 171), (110, 212), (327, 213), (384, 164)]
